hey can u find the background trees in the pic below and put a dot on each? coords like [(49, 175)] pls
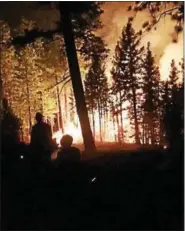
[(126, 72), (36, 77), (96, 85), (173, 120), (151, 78)]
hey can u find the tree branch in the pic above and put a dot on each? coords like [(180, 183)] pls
[(58, 83), (159, 18), (64, 85), (31, 36), (166, 12)]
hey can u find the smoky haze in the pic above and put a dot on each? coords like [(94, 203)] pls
[(115, 17)]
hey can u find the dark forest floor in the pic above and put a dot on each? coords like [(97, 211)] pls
[(138, 190)]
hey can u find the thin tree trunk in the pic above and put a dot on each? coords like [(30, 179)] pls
[(113, 120), (152, 131), (59, 109), (74, 69), (117, 121), (100, 117), (143, 135), (1, 88), (1, 80), (94, 134), (100, 125), (65, 106), (121, 117), (147, 134), (114, 126), (135, 119), (104, 124), (28, 100)]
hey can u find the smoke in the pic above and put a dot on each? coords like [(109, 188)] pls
[(172, 51), (115, 17)]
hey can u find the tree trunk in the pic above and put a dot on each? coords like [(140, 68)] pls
[(28, 100), (100, 117), (59, 109), (118, 127), (135, 119), (1, 81), (65, 105), (105, 117), (152, 132), (94, 128), (143, 134), (74, 69), (121, 117), (113, 120), (114, 126)]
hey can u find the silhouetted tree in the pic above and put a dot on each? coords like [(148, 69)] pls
[(151, 96), (96, 86), (90, 94), (72, 106), (126, 71), (173, 109), (10, 128), (66, 9)]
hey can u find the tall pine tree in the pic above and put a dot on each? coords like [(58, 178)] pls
[(126, 72), (96, 86), (172, 115), (150, 91)]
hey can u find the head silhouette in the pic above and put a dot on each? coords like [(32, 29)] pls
[(66, 141), (39, 117)]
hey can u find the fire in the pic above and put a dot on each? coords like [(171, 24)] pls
[(108, 130), (70, 130), (175, 51)]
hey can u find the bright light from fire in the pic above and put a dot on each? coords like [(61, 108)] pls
[(70, 130)]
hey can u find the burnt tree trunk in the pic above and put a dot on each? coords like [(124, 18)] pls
[(74, 69)]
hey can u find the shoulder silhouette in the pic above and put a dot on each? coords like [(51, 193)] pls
[(41, 135), (67, 152)]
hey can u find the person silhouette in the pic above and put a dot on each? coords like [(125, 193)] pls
[(67, 153), (41, 138)]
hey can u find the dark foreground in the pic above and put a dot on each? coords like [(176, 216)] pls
[(137, 191)]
